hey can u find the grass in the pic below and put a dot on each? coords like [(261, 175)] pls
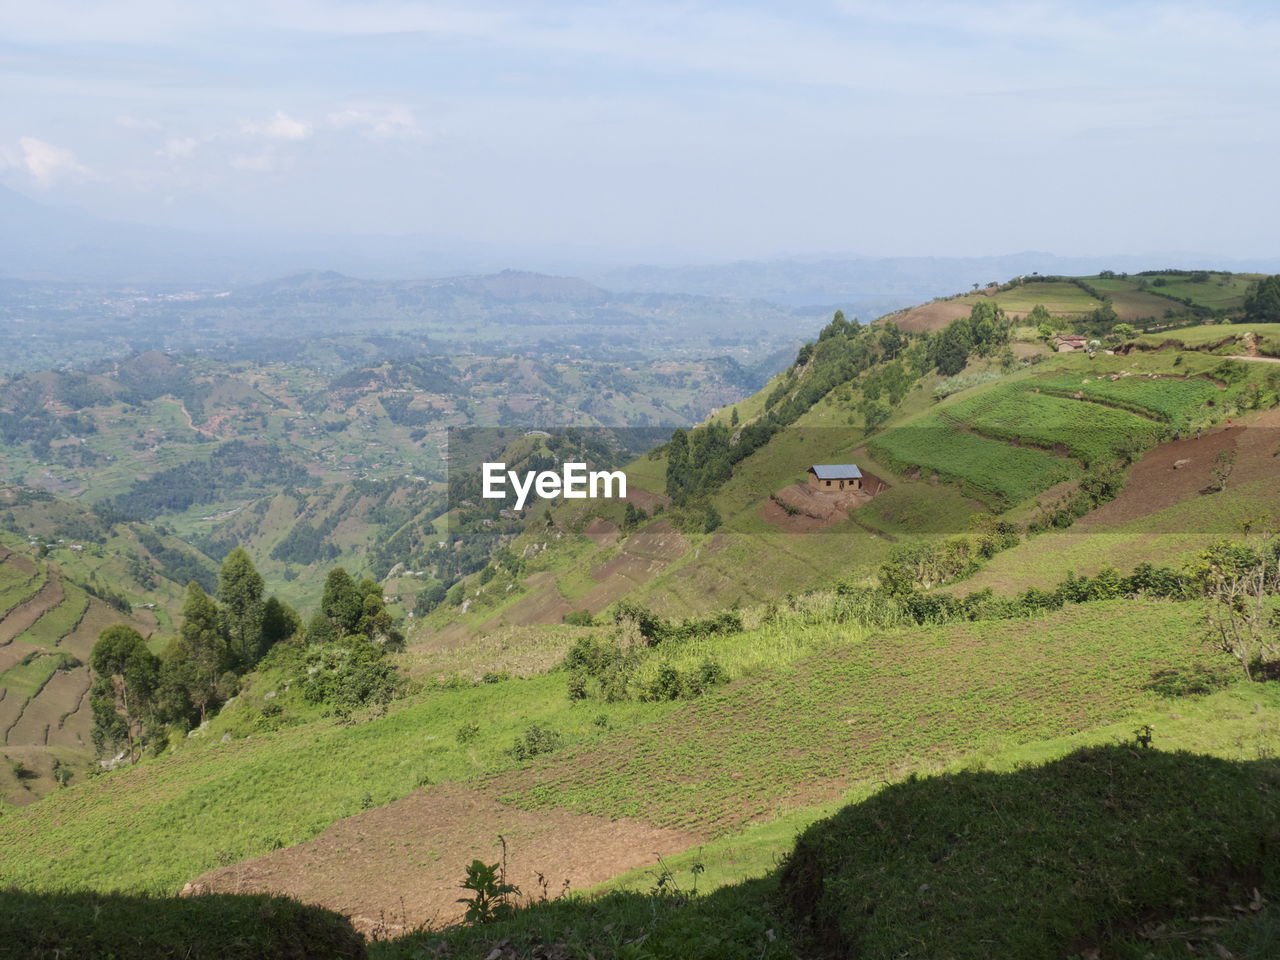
[(16, 587), (27, 678), (89, 926), (856, 711), (1078, 854), (1209, 334), (1177, 402), (1091, 433), (212, 803), (995, 472), (738, 915)]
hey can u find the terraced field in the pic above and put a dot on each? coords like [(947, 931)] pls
[(1089, 432), (1180, 402), (47, 630), (991, 470)]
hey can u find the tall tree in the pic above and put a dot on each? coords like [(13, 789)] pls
[(203, 646), (279, 622), (122, 695), (240, 590), (342, 602)]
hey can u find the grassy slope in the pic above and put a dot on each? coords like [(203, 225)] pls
[(769, 743)]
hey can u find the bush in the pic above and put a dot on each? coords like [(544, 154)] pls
[(535, 742)]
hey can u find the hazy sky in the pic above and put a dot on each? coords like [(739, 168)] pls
[(707, 130)]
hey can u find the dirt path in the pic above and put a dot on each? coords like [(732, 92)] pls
[(1255, 359), (24, 615), (398, 867)]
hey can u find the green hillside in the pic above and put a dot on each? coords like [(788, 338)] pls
[(809, 704)]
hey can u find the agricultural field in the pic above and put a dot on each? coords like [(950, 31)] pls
[(1090, 433), (1211, 335), (1182, 403), (997, 473), (1222, 291)]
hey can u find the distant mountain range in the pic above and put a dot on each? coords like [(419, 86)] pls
[(43, 242)]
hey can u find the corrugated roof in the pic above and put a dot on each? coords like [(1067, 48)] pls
[(836, 471)]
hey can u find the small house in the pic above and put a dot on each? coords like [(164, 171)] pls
[(1070, 343), (834, 477)]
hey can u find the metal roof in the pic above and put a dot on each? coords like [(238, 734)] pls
[(836, 471)]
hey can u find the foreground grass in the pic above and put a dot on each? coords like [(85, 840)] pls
[(152, 827), (1043, 862), (1113, 851), (92, 926), (860, 710)]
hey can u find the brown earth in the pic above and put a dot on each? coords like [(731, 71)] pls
[(929, 317), (16, 622), (41, 723), (1155, 484), (601, 531), (543, 604), (13, 652), (398, 867), (24, 564), (817, 510)]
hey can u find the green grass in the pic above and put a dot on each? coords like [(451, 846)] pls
[(1180, 403), (1042, 862), (92, 926), (17, 588), (1091, 433), (26, 679), (855, 711), (995, 472), (1207, 334), (152, 827)]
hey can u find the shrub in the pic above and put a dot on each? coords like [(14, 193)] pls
[(535, 742)]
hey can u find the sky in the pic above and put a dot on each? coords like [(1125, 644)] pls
[(677, 131)]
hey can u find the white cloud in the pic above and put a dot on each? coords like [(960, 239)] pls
[(141, 124), (382, 121), (178, 148), (280, 127), (47, 164), (256, 163)]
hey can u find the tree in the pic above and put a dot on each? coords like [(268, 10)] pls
[(342, 601), (1262, 305), (1240, 579), (240, 590), (279, 622), (202, 644), (122, 695)]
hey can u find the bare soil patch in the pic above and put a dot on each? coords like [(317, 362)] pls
[(398, 867), (933, 316), (601, 531), (41, 721), (79, 642), (13, 652), (25, 614), (543, 604), (25, 565), (816, 510), (1154, 483)]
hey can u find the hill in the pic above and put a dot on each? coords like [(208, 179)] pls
[(728, 659), (1150, 299)]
